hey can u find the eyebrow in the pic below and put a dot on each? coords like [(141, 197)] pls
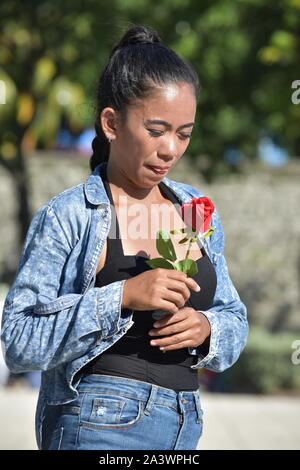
[(167, 124)]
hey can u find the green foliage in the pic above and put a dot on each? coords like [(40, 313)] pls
[(165, 246), (188, 266), (159, 263), (166, 249), (265, 366), (246, 54)]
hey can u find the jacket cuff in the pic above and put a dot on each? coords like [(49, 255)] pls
[(207, 352), (111, 316)]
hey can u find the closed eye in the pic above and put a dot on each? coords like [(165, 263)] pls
[(156, 133)]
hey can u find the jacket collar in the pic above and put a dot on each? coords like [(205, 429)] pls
[(96, 194)]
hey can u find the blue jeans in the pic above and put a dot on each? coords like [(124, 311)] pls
[(119, 413)]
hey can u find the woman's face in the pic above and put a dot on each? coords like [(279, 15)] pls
[(156, 132)]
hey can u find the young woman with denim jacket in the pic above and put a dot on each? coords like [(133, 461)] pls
[(59, 319)]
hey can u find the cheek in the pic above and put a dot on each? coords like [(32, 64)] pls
[(185, 143), (129, 147), (139, 139), (145, 145), (181, 148)]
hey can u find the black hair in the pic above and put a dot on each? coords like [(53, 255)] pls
[(136, 65)]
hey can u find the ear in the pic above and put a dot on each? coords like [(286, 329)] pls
[(109, 122)]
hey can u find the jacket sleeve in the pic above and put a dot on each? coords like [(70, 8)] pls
[(41, 328), (227, 315)]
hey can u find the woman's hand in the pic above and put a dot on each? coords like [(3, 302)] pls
[(186, 328), (159, 288)]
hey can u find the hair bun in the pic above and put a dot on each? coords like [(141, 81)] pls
[(139, 35)]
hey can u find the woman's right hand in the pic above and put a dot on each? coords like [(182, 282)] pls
[(159, 288)]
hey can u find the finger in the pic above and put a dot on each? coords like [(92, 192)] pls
[(192, 284), (169, 328), (188, 342), (180, 287), (172, 347), (162, 321), (175, 297), (169, 306), (183, 313), (175, 274), (181, 276), (170, 340)]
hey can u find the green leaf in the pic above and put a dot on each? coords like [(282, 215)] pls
[(209, 231), (188, 266), (165, 246), (185, 239), (159, 263), (182, 230)]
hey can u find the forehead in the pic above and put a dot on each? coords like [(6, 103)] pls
[(175, 103)]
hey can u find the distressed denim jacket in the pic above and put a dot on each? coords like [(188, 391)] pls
[(55, 320)]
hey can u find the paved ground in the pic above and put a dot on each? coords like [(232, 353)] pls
[(248, 422), (230, 421)]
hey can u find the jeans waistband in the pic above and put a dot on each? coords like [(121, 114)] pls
[(150, 393)]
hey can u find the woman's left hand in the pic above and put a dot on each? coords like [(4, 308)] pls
[(186, 328)]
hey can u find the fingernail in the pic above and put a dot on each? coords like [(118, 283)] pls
[(198, 288)]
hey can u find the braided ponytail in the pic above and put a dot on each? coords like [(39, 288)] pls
[(100, 146)]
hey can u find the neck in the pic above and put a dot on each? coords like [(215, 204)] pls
[(121, 185)]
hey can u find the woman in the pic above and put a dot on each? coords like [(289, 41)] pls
[(82, 306)]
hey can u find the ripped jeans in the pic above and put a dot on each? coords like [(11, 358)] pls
[(119, 413)]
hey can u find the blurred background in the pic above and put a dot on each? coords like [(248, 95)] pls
[(244, 154)]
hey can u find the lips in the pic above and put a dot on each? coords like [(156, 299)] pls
[(159, 169)]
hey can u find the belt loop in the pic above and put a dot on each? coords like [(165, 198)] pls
[(151, 399), (198, 407), (180, 400)]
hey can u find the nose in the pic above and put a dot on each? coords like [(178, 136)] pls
[(168, 147)]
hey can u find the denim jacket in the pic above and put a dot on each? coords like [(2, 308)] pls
[(55, 320)]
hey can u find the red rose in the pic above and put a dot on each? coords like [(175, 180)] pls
[(197, 213)]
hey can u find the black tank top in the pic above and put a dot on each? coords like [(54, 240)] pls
[(132, 356)]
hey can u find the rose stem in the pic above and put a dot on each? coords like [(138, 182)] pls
[(188, 250)]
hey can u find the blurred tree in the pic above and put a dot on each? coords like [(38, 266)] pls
[(50, 56), (247, 55)]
